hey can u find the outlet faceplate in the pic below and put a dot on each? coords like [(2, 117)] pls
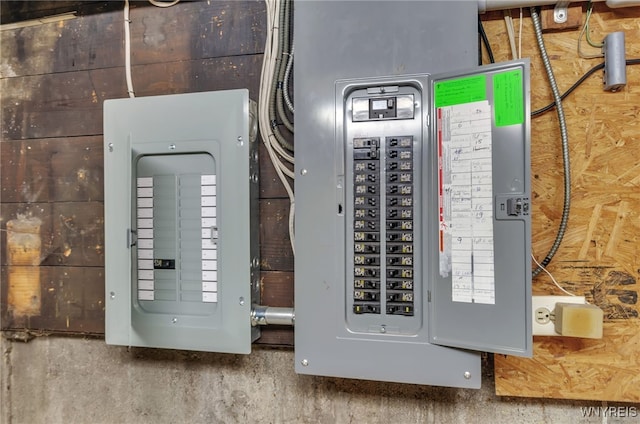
[(541, 325)]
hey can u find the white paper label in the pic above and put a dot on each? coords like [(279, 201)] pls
[(145, 233), (208, 201), (209, 276), (209, 254), (145, 223), (145, 202), (208, 190), (145, 253), (210, 265), (145, 191), (145, 295), (145, 243), (145, 263), (208, 179), (466, 201), (145, 274), (145, 212), (208, 212), (209, 286), (145, 182), (145, 284), (209, 297)]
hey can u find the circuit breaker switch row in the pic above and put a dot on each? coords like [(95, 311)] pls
[(366, 226), (399, 225)]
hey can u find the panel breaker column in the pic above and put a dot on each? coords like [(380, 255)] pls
[(144, 216), (366, 225), (399, 226), (209, 238)]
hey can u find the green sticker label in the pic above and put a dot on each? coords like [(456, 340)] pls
[(508, 98), (461, 90)]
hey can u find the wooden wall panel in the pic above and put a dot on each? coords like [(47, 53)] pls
[(55, 169), (600, 255), (275, 247), (54, 79), (70, 103), (186, 31), (277, 290), (72, 302)]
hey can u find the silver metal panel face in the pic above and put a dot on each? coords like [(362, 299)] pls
[(504, 324), (337, 63), (181, 221)]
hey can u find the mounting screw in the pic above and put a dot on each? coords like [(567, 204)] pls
[(174, 320), (240, 142), (305, 363), (112, 295), (241, 301), (172, 147), (383, 329), (303, 172), (111, 147), (467, 375)]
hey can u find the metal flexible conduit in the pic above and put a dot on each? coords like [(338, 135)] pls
[(282, 64), (274, 84), (285, 83), (565, 144)]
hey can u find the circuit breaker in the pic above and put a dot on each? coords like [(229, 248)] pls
[(181, 185), (412, 200)]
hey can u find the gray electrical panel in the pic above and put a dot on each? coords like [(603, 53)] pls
[(412, 195), (181, 223)]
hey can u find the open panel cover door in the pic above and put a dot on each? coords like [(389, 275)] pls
[(479, 241)]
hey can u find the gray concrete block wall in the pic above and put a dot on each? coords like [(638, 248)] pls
[(71, 380)]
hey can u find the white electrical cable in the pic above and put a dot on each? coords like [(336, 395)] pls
[(281, 150), (268, 138), (164, 3), (520, 36), (551, 276), (127, 50), (127, 40), (511, 33)]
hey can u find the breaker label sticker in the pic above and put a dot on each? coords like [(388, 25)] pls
[(465, 205)]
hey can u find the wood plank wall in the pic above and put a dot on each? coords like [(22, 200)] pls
[(54, 78), (600, 255)]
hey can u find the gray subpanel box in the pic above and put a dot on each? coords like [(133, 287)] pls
[(181, 221), (375, 297)]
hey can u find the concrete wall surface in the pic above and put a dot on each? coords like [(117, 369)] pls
[(71, 380)]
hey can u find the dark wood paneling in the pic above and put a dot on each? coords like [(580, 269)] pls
[(16, 11), (270, 185), (275, 247), (72, 233), (72, 301), (277, 288), (70, 104), (59, 169), (78, 230), (42, 211), (95, 39)]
